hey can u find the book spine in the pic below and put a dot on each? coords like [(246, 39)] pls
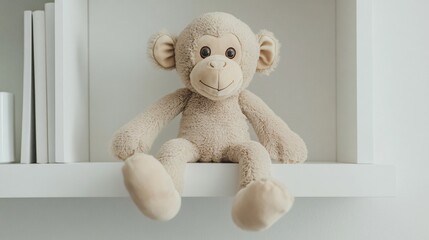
[(28, 154), (50, 76), (40, 87), (59, 101), (71, 81), (7, 150)]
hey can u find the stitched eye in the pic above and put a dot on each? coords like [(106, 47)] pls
[(205, 52), (230, 53)]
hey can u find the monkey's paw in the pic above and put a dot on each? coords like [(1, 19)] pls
[(150, 187), (260, 204)]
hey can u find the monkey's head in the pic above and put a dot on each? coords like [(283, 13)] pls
[(216, 55)]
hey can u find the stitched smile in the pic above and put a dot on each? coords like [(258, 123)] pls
[(217, 88)]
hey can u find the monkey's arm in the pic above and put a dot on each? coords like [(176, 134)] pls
[(273, 133), (139, 134)]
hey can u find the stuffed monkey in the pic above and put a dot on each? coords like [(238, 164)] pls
[(216, 56)]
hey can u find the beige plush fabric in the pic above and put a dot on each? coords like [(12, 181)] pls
[(139, 134), (208, 83), (280, 141), (260, 204), (216, 24), (214, 125), (166, 43), (174, 155), (150, 187), (269, 50), (162, 49)]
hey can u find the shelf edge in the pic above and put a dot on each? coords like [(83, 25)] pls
[(201, 180)]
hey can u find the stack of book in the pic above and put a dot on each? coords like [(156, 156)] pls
[(44, 97), (38, 122)]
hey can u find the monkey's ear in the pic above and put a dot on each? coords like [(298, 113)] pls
[(161, 50), (269, 48)]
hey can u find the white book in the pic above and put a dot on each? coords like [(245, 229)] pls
[(40, 87), (71, 81), (50, 76), (28, 148)]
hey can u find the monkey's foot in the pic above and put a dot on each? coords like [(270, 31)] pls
[(150, 187), (260, 204)]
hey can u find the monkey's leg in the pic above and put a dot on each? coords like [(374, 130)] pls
[(155, 185), (261, 201)]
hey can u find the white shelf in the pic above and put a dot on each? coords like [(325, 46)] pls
[(202, 180)]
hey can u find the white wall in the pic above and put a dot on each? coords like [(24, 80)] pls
[(401, 116)]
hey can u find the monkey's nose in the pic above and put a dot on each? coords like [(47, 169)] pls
[(217, 64)]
